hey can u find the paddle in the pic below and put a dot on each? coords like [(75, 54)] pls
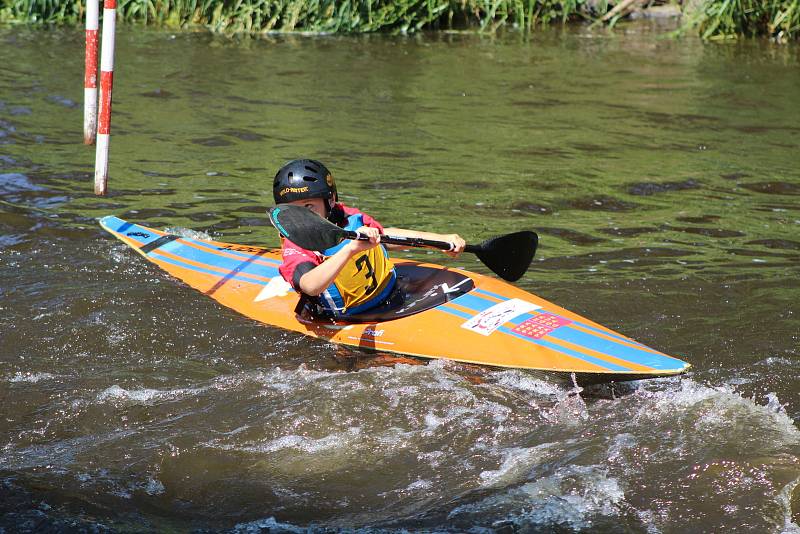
[(508, 256)]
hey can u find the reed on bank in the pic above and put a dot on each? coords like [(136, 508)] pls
[(728, 19), (318, 16), (713, 19)]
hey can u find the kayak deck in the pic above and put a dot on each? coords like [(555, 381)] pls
[(467, 317)]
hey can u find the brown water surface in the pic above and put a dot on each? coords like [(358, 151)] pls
[(662, 177)]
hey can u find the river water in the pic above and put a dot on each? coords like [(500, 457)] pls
[(662, 177)]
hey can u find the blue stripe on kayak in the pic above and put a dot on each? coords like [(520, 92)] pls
[(202, 257), (489, 293), (206, 257), (591, 341), (474, 302), (543, 343), (110, 220), (521, 318), (611, 334), (143, 241), (206, 271), (611, 347), (590, 327), (230, 276), (226, 264), (125, 228), (171, 247), (453, 311), (569, 352), (215, 248), (601, 344)]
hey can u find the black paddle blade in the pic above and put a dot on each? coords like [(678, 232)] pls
[(510, 255), (304, 227)]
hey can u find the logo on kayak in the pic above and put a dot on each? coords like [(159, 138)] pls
[(372, 332), (493, 318), (541, 325), (242, 248)]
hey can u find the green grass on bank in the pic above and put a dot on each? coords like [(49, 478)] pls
[(713, 19), (727, 19), (326, 16)]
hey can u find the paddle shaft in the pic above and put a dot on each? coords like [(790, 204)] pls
[(508, 256), (410, 241)]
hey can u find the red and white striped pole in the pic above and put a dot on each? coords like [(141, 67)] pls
[(106, 82), (90, 74)]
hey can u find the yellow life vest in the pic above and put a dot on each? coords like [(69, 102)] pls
[(365, 281)]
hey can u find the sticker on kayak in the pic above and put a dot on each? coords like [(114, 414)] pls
[(277, 287), (493, 318), (541, 325)]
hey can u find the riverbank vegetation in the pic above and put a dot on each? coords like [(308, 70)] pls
[(712, 19)]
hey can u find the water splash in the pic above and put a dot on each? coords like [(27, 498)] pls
[(145, 396), (571, 497), (30, 377)]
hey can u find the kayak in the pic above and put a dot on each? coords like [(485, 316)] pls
[(434, 312)]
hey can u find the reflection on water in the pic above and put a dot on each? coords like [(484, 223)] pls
[(661, 176)]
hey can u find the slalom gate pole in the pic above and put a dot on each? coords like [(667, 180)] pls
[(106, 83), (90, 74)]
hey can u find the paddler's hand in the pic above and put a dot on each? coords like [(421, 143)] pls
[(355, 246), (458, 245)]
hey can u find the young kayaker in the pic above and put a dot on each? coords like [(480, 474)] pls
[(353, 276)]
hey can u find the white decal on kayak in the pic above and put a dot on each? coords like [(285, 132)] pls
[(276, 287), (493, 318), (447, 289)]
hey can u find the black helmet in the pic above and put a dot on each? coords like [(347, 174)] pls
[(304, 178)]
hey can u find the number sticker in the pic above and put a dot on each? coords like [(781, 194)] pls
[(369, 274)]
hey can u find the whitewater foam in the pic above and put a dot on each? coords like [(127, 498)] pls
[(517, 464), (145, 396), (569, 497), (30, 377)]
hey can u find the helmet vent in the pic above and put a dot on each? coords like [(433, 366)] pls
[(312, 169), (310, 178)]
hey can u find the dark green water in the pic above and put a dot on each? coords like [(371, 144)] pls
[(662, 177)]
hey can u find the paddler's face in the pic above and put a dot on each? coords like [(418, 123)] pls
[(317, 205)]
